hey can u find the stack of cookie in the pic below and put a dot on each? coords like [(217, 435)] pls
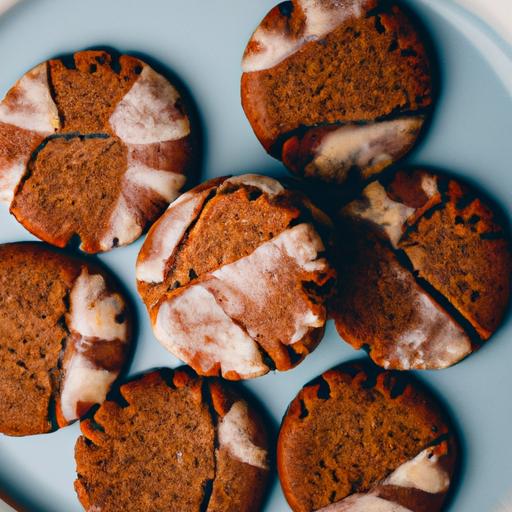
[(240, 274)]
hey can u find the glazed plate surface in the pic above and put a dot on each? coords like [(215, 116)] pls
[(202, 43)]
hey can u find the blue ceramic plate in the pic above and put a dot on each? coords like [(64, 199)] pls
[(202, 42)]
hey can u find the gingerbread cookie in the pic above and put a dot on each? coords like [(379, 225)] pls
[(425, 271), (234, 278), (357, 440), (173, 442), (337, 89), (64, 336), (97, 150)]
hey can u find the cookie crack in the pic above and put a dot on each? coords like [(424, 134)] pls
[(440, 298), (68, 136), (265, 356), (57, 372), (403, 258), (172, 258), (208, 484)]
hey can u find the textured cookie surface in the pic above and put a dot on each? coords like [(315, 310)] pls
[(178, 442), (96, 150), (336, 89), (64, 336), (234, 278), (427, 271), (356, 440)]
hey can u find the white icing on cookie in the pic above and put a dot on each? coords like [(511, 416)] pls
[(424, 472), (324, 16), (377, 207), (93, 315), (245, 287), (366, 147), (83, 383), (435, 341), (93, 310), (321, 18), (148, 114), (439, 341), (6, 507), (192, 326), (235, 435), (124, 226), (9, 179), (166, 234), (364, 503), (302, 243), (273, 48), (429, 185), (304, 323), (165, 184), (267, 185), (32, 107)]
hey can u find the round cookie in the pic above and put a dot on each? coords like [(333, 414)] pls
[(96, 149), (425, 271), (356, 440), (174, 441), (64, 337), (234, 278), (337, 89)]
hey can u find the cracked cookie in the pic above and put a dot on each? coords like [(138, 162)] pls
[(173, 441), (426, 275), (64, 337), (337, 89), (235, 279), (95, 149), (358, 439)]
